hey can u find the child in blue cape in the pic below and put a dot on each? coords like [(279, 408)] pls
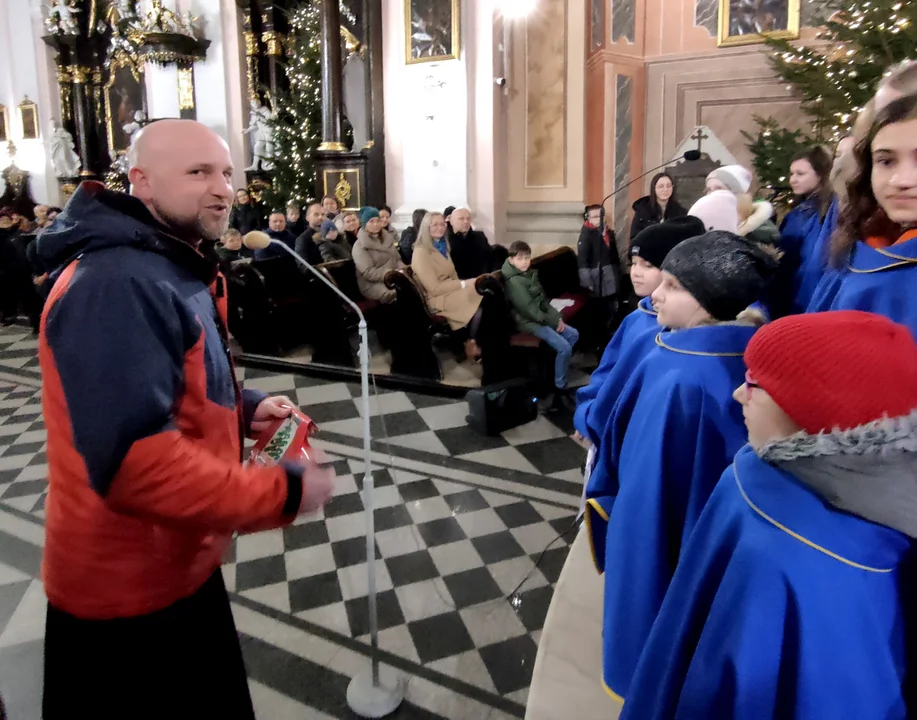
[(789, 600), (673, 430), (876, 242), (648, 251)]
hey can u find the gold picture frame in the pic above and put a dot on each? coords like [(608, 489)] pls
[(769, 18), (343, 184), (28, 118), (125, 94), (432, 31), (4, 125)]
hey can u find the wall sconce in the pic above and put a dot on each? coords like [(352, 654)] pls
[(510, 11), (28, 116)]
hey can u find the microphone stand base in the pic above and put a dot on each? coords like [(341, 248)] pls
[(371, 701)]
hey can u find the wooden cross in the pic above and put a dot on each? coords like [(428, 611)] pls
[(700, 136)]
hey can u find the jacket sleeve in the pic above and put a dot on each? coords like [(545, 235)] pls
[(426, 275), (124, 429), (523, 303), (584, 250)]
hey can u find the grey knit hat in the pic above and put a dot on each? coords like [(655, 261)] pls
[(724, 272)]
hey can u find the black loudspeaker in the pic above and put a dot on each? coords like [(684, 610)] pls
[(495, 408)]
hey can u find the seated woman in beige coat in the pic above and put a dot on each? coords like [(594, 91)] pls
[(446, 295), (374, 254)]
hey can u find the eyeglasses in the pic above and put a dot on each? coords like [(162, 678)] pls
[(750, 382)]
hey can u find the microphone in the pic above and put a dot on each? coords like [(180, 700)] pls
[(362, 686), (689, 155)]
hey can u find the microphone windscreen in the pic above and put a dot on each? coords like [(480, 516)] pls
[(692, 155), (256, 240)]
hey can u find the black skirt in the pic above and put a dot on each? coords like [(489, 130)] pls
[(181, 662)]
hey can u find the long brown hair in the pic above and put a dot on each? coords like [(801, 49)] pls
[(821, 163), (861, 216)]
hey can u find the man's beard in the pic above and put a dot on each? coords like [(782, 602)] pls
[(192, 230)]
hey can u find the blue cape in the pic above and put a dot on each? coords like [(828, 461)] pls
[(878, 281), (799, 237), (640, 323), (782, 607), (815, 259), (674, 429)]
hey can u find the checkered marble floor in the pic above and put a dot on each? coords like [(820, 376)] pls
[(458, 529)]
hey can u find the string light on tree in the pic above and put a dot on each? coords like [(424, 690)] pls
[(833, 79)]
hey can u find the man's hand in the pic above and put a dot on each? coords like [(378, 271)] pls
[(560, 325), (270, 409), (39, 280), (317, 482)]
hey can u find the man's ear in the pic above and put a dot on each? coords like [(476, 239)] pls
[(138, 182)]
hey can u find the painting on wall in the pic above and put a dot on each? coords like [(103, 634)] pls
[(431, 30), (124, 97), (743, 22)]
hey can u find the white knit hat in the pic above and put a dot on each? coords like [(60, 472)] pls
[(718, 211), (736, 178)]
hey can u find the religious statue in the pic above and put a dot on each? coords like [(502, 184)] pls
[(64, 160), (119, 162), (61, 20), (134, 125), (262, 138), (187, 25), (354, 85), (162, 20)]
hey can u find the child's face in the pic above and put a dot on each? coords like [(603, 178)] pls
[(676, 308), (644, 276), (232, 241), (765, 420), (332, 234), (894, 171), (521, 262), (594, 218), (351, 223), (714, 184)]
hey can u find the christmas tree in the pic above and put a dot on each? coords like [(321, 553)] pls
[(834, 79), (297, 119)]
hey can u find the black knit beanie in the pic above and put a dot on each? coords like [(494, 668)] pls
[(656, 241), (724, 272)]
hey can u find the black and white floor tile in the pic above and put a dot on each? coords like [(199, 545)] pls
[(458, 528)]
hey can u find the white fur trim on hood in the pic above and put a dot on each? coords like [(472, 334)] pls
[(762, 211)]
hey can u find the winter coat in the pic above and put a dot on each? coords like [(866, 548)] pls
[(331, 250), (373, 258), (529, 305), (145, 419), (406, 244), (442, 287), (307, 248), (246, 218), (470, 254), (644, 217), (599, 264), (758, 227)]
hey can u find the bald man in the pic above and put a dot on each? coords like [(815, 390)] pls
[(145, 426)]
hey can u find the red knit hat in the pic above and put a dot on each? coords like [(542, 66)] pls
[(835, 370)]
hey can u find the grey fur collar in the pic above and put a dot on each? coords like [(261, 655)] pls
[(878, 437), (869, 471)]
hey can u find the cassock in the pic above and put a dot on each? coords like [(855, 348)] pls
[(674, 429), (877, 280), (641, 322), (782, 607), (815, 259)]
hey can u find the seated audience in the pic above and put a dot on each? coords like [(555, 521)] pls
[(331, 244), (409, 235), (385, 212), (330, 207), (230, 248), (533, 313), (791, 598), (470, 249), (348, 224), (277, 230), (295, 222), (245, 217), (659, 205), (305, 243), (374, 255), (445, 292)]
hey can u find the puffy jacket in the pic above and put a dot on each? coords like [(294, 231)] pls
[(529, 305), (246, 218), (373, 257), (598, 261), (144, 416)]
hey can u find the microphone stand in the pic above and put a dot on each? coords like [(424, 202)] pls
[(367, 695)]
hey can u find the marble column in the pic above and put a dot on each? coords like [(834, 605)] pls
[(331, 78)]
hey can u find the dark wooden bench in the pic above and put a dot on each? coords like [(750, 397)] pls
[(275, 306)]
